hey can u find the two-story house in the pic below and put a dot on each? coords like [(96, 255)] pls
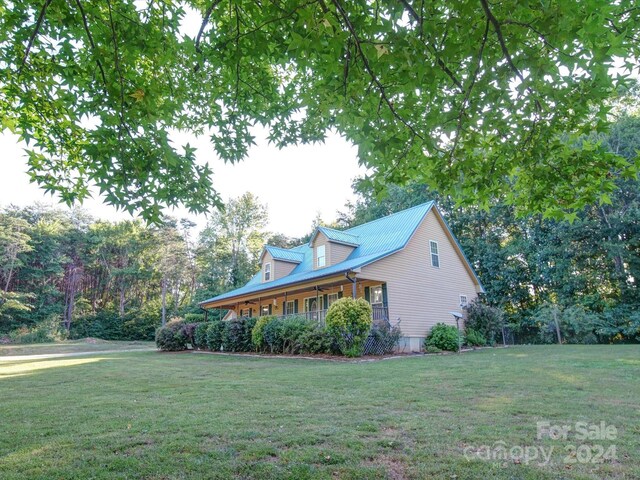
[(408, 265)]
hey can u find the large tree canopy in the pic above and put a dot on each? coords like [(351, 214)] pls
[(476, 98)]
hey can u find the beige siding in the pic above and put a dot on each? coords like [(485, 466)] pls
[(339, 252), (334, 252), (282, 269), (279, 268), (267, 258), (419, 294), (321, 239)]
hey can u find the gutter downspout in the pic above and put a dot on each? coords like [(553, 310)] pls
[(353, 283)]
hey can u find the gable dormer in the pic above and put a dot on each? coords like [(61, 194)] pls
[(278, 262), (331, 246)]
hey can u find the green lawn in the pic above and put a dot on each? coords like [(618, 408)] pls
[(164, 416), (72, 346)]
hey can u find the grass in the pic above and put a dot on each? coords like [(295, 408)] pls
[(72, 346), (171, 416)]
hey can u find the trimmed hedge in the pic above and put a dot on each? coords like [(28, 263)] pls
[(236, 335), (172, 337), (214, 335), (200, 336), (349, 322), (176, 336)]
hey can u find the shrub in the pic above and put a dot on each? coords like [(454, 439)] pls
[(475, 338), (137, 324), (46, 331), (105, 324), (257, 334), (236, 336), (172, 337), (194, 317), (291, 335), (432, 349), (349, 322), (443, 336), (316, 340), (214, 335), (484, 319), (384, 339), (200, 335)]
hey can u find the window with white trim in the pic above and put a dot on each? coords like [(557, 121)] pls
[(291, 307), (264, 310), (321, 259), (376, 295), (267, 272), (245, 312), (463, 301), (435, 254), (332, 297)]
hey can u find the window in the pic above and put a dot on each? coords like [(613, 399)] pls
[(313, 304), (291, 307), (435, 256), (376, 295), (264, 310), (245, 312), (463, 301), (321, 259), (332, 297), (267, 272)]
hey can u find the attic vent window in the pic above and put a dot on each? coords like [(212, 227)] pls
[(321, 259), (267, 272), (435, 255)]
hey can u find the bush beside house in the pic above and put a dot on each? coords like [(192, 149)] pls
[(348, 325)]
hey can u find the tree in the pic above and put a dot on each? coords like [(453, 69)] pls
[(476, 99), (230, 245), (14, 241), (174, 266)]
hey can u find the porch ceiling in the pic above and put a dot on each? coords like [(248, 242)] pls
[(321, 284)]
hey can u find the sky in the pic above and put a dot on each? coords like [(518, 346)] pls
[(296, 183)]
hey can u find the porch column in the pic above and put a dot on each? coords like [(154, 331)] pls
[(353, 287), (284, 306)]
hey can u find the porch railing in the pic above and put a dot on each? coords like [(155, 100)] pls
[(379, 315)]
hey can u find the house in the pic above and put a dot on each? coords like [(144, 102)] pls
[(408, 265)]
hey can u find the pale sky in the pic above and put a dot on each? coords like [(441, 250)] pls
[(295, 183)]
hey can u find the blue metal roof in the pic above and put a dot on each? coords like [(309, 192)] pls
[(376, 239), (337, 236), (285, 254)]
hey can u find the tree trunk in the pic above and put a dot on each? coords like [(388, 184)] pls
[(121, 305), (164, 301)]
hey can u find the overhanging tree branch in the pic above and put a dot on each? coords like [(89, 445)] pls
[(367, 66), (36, 30), (85, 23), (503, 46)]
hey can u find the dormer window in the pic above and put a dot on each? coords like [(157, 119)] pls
[(267, 272), (321, 259)]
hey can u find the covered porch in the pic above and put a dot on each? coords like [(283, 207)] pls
[(310, 300)]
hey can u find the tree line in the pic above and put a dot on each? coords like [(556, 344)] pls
[(63, 270)]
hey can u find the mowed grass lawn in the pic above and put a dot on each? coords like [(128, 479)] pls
[(168, 416)]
